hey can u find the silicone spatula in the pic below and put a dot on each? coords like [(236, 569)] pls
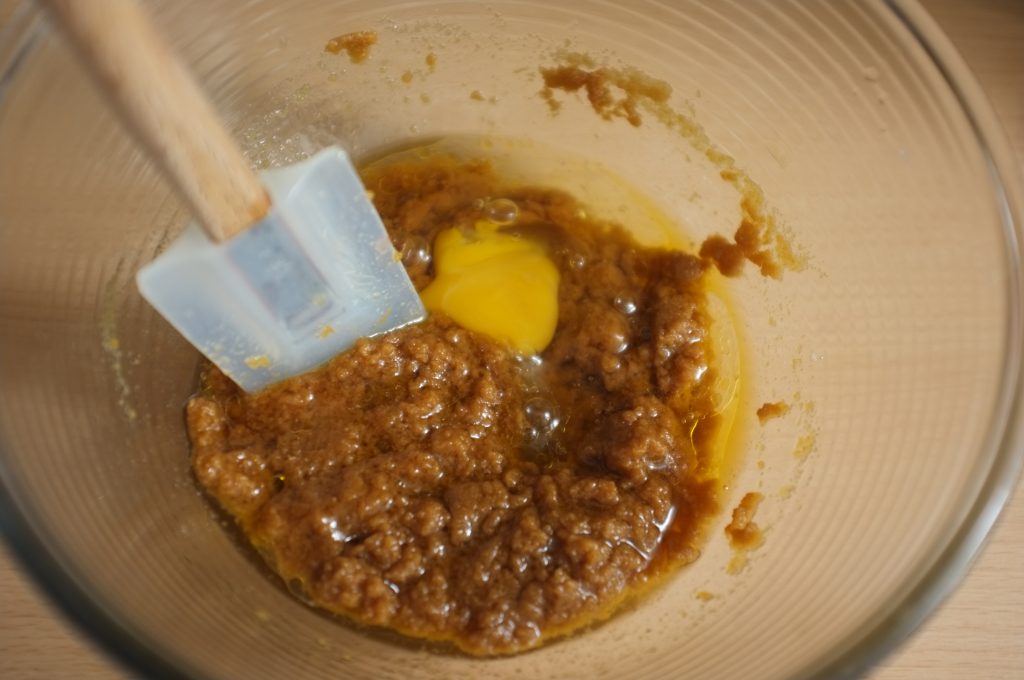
[(274, 276)]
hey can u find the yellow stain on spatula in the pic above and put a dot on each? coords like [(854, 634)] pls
[(496, 283)]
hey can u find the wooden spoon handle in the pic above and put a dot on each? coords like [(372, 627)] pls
[(161, 104)]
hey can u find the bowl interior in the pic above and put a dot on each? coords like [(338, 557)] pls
[(890, 346)]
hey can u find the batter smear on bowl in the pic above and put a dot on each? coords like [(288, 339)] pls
[(453, 486)]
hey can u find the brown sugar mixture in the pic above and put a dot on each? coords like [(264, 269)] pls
[(743, 532), (435, 482), (771, 410), (626, 93), (356, 44)]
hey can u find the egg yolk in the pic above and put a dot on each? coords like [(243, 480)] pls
[(496, 283)]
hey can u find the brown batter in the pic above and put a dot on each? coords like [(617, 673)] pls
[(771, 410), (433, 482), (582, 73), (743, 532), (623, 93), (356, 44)]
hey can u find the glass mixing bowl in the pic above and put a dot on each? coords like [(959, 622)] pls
[(899, 346)]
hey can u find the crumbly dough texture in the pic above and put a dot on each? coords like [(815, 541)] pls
[(433, 482)]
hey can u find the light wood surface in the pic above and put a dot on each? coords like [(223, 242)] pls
[(160, 103), (977, 634)]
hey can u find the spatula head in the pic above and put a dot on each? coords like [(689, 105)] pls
[(318, 273)]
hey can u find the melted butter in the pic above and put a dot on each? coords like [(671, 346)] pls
[(495, 283)]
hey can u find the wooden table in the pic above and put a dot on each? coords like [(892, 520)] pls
[(978, 633)]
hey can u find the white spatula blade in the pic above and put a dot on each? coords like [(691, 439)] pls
[(292, 291)]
